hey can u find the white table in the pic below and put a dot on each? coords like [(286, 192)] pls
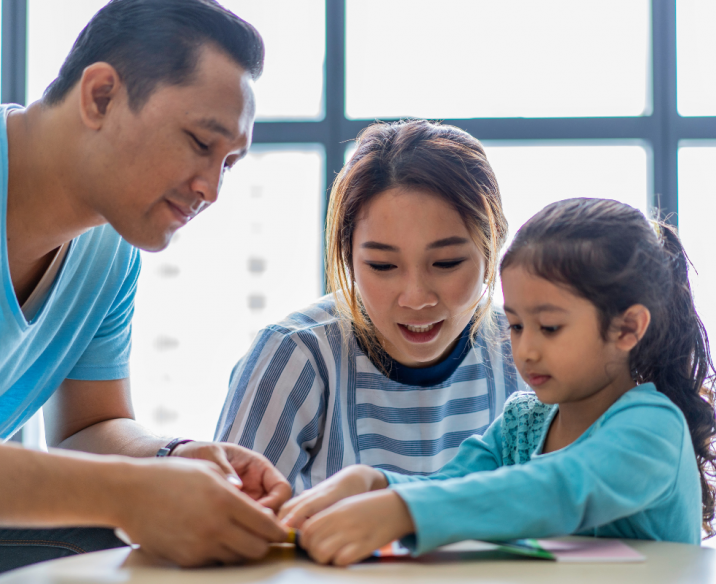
[(665, 563)]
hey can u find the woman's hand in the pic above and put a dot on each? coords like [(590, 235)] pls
[(352, 480), (354, 528)]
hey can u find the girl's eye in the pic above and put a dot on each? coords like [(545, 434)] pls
[(380, 267), (516, 328), (449, 264)]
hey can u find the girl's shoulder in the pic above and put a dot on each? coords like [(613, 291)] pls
[(524, 421)]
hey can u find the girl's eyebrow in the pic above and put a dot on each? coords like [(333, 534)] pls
[(537, 309)]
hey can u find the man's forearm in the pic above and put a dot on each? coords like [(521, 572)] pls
[(118, 436), (59, 489)]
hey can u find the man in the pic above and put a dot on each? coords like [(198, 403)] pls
[(128, 144)]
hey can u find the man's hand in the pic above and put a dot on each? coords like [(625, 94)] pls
[(187, 512), (260, 480), (354, 528), (352, 480)]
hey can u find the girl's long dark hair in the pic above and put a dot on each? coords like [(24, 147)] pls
[(611, 255)]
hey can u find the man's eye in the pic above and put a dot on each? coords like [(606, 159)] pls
[(448, 264), (380, 267), (199, 143)]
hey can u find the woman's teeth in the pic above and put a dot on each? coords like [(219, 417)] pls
[(419, 329)]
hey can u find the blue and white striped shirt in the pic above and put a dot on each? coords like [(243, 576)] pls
[(313, 402)]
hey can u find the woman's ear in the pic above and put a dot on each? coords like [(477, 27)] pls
[(631, 326)]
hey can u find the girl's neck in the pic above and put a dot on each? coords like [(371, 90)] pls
[(575, 417)]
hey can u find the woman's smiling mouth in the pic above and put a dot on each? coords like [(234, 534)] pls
[(420, 333)]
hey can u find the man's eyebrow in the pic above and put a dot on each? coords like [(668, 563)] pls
[(447, 242), (215, 126), (379, 246)]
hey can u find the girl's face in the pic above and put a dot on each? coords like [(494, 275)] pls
[(418, 272), (556, 342)]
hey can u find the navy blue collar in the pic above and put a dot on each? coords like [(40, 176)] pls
[(427, 376)]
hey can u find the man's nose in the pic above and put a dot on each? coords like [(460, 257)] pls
[(207, 186), (417, 293)]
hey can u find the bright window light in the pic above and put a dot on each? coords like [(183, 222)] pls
[(697, 207), (481, 58)]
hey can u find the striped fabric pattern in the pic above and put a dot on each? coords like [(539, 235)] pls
[(313, 402)]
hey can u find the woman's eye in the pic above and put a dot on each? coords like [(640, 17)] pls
[(516, 328), (550, 329), (449, 264), (380, 267)]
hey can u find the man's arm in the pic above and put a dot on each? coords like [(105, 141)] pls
[(97, 417), (153, 501)]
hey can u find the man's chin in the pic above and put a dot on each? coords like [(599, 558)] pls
[(151, 243)]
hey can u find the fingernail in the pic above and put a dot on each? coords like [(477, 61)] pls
[(234, 480)]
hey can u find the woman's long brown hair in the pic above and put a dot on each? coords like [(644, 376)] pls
[(417, 154)]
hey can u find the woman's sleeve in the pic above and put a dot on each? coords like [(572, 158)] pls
[(476, 453), (276, 404), (623, 468)]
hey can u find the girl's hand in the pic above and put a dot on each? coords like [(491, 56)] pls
[(353, 529), (352, 480)]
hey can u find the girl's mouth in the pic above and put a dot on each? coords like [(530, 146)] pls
[(420, 333), (537, 380)]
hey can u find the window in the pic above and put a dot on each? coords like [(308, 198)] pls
[(570, 99)]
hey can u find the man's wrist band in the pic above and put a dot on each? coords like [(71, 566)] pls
[(169, 448)]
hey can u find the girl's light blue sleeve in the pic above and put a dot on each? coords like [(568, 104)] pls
[(621, 469), (476, 453)]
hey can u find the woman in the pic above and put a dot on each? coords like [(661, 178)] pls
[(406, 358)]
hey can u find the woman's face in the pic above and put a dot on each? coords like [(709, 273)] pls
[(418, 271)]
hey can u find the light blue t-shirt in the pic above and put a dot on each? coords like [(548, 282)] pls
[(83, 329), (632, 474)]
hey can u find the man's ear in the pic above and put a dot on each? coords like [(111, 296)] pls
[(99, 87), (631, 326)]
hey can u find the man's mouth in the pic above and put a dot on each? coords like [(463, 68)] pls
[(183, 213)]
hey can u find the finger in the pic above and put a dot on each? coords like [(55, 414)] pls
[(249, 515), (278, 495), (288, 506), (351, 553), (307, 509), (324, 547), (236, 481), (225, 466), (244, 545)]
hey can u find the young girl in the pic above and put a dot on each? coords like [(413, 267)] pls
[(616, 440), (400, 364)]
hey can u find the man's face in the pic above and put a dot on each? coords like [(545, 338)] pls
[(162, 165)]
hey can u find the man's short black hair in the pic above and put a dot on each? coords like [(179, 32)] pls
[(157, 41)]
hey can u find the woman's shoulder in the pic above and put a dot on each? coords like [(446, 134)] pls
[(311, 319)]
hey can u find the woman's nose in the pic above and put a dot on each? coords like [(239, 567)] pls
[(417, 294)]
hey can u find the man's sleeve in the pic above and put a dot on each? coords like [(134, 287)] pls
[(276, 405), (620, 470), (107, 355)]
